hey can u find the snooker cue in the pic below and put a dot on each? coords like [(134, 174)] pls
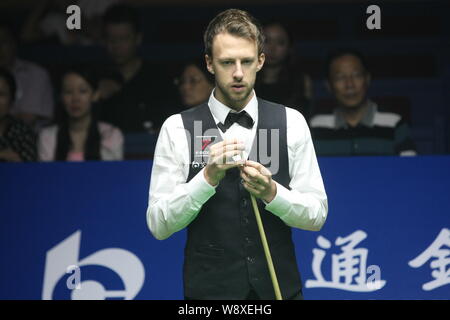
[(273, 275)]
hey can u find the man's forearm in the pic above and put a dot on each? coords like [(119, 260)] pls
[(177, 207), (307, 210)]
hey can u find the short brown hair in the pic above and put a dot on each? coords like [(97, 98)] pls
[(236, 22)]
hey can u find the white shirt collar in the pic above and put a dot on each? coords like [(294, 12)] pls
[(220, 111)]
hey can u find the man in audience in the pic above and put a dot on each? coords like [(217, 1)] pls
[(141, 104), (357, 126), (34, 96), (17, 140)]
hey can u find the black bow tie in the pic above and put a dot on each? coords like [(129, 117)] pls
[(243, 118)]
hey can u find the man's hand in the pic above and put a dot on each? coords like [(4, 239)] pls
[(258, 181), (221, 159), (10, 155)]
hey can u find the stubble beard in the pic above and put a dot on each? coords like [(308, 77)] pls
[(235, 101)]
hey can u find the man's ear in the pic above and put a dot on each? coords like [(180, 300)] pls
[(261, 59), (209, 64)]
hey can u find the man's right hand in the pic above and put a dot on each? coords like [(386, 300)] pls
[(221, 159)]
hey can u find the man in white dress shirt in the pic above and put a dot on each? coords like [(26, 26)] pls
[(202, 175)]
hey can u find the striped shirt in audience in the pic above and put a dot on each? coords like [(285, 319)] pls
[(379, 132)]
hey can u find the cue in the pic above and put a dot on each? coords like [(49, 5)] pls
[(273, 275)]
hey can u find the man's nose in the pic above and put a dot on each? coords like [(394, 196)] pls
[(238, 74), (349, 82)]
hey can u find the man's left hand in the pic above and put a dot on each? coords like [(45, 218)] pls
[(258, 180)]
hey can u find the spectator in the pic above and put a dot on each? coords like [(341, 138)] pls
[(195, 84), (139, 105), (357, 126), (34, 96), (79, 136), (280, 80), (111, 83), (17, 140), (47, 22)]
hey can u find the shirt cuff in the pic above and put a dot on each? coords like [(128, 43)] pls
[(199, 189), (279, 205)]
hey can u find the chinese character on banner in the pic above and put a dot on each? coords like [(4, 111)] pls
[(348, 271), (441, 262)]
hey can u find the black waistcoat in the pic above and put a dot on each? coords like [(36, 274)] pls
[(224, 256)]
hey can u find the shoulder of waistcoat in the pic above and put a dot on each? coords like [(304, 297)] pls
[(270, 104), (194, 110)]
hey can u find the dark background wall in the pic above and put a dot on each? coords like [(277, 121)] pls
[(409, 57)]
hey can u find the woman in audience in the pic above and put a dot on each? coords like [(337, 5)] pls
[(78, 136), (194, 84), (280, 79), (17, 140)]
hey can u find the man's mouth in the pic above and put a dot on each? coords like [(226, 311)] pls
[(350, 95), (238, 87)]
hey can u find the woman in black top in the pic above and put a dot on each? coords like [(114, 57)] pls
[(194, 84), (17, 140), (280, 80)]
